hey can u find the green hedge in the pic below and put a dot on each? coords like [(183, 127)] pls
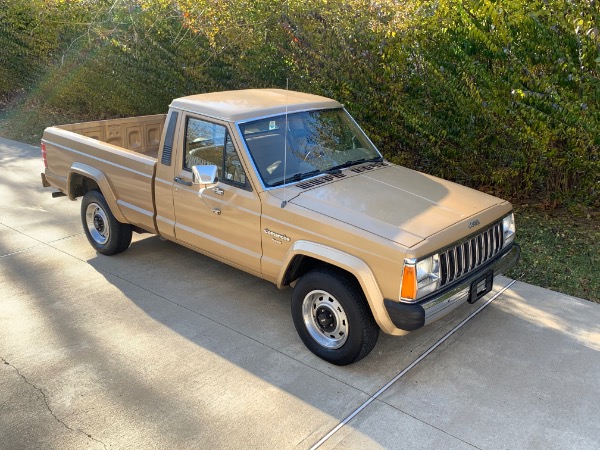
[(24, 44), (503, 96)]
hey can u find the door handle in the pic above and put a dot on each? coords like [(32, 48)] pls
[(218, 191), (182, 181), (217, 211)]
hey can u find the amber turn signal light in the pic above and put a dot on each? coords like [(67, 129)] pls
[(409, 283)]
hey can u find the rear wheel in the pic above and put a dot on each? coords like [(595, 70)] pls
[(106, 234), (332, 317)]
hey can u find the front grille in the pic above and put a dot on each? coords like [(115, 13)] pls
[(463, 258)]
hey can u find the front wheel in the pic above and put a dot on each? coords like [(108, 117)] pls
[(106, 234), (332, 317)]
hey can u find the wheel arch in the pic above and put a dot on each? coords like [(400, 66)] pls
[(83, 178), (303, 256)]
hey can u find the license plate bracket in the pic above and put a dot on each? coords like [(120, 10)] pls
[(481, 286)]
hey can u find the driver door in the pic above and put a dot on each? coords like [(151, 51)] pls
[(222, 220)]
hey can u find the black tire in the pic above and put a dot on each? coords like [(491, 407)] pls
[(106, 234), (332, 317)]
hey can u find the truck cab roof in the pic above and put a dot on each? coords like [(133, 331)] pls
[(247, 104)]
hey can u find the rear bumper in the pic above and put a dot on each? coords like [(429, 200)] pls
[(409, 317)]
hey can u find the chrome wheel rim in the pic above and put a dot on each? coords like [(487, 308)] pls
[(97, 223), (325, 319)]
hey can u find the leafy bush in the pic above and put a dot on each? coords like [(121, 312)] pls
[(25, 44), (503, 96)]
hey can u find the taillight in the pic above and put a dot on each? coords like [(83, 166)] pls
[(44, 155)]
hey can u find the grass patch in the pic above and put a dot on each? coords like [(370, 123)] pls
[(25, 120), (561, 249)]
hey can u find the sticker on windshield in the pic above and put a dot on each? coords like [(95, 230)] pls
[(272, 125)]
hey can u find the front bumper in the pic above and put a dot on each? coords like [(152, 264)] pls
[(412, 316)]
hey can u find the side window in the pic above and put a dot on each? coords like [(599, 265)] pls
[(209, 144), (233, 167), (204, 144)]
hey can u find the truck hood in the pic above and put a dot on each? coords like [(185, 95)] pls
[(396, 203)]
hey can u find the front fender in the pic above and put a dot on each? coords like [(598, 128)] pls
[(103, 183), (350, 263)]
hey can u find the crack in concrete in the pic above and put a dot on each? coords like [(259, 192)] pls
[(47, 403)]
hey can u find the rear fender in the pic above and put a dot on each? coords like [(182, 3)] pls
[(103, 183)]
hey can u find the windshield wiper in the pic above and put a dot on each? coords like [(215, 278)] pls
[(353, 162), (296, 177)]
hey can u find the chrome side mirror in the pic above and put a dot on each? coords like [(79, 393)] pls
[(205, 174)]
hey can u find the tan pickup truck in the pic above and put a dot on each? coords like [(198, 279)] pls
[(286, 186)]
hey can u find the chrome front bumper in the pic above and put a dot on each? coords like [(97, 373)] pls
[(411, 316)]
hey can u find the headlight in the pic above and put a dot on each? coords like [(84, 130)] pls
[(508, 229), (420, 277)]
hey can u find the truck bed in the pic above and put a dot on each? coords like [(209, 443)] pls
[(139, 134), (119, 154)]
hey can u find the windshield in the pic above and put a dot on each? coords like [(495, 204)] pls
[(314, 142)]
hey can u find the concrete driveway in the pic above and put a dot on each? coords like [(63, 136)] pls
[(161, 347)]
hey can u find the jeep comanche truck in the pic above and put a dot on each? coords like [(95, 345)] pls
[(286, 186)]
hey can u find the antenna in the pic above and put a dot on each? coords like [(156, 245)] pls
[(287, 89)]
